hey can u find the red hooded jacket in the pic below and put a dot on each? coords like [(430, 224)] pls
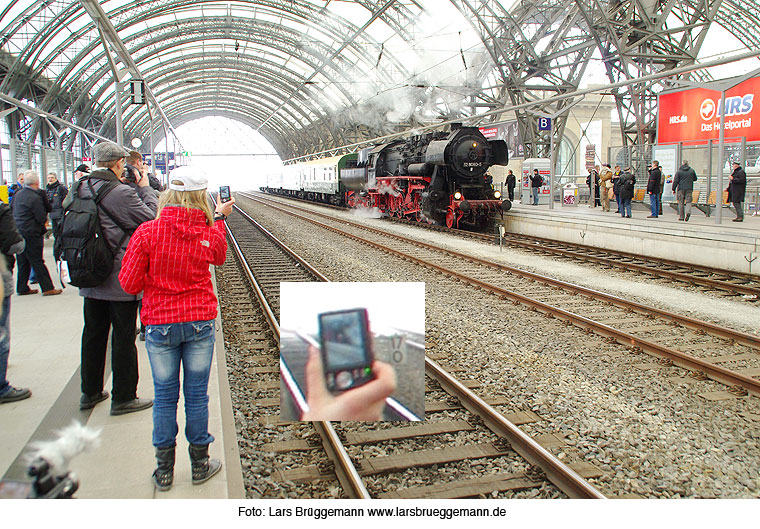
[(168, 260)]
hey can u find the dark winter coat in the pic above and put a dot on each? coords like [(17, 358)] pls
[(11, 243), (616, 183), (684, 179), (511, 181), (536, 180), (154, 183), (653, 184), (737, 186), (627, 183), (130, 207), (30, 208), (56, 193)]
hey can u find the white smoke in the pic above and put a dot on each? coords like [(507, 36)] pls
[(386, 189), (446, 65), (367, 213)]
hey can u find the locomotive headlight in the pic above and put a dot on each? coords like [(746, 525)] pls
[(474, 145), (458, 195), (497, 194)]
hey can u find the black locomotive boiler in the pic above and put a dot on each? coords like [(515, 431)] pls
[(439, 177)]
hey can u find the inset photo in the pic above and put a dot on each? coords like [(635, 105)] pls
[(352, 351)]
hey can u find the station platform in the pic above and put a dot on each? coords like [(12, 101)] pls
[(45, 357), (700, 241)]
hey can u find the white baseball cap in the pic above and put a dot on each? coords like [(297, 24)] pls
[(191, 178)]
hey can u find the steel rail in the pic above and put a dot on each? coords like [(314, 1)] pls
[(313, 271), (347, 474), (576, 251), (567, 480), (679, 358), (692, 323), (395, 406)]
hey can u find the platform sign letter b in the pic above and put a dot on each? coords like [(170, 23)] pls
[(544, 124)]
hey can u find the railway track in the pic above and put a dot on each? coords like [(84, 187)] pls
[(483, 434), (702, 347), (744, 286)]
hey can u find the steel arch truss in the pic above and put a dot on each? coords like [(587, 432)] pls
[(290, 67), (73, 78)]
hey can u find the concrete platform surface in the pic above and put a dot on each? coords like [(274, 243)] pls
[(45, 357), (729, 245)]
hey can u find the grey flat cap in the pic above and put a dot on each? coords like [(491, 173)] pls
[(108, 152)]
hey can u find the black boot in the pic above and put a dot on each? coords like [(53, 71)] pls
[(163, 476), (203, 467)]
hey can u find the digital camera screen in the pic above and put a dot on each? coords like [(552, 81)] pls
[(344, 338)]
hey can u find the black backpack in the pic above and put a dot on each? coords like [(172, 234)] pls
[(80, 240)]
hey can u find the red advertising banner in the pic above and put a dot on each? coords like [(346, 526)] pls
[(694, 115)]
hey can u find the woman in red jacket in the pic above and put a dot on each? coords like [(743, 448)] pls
[(168, 260)]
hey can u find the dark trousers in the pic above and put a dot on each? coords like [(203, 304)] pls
[(99, 317), (739, 207), (511, 191), (31, 259)]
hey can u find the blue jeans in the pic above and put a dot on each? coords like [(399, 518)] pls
[(535, 195), (626, 211), (5, 343), (192, 345), (619, 202), (654, 202)]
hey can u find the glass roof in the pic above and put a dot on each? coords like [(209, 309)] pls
[(302, 67)]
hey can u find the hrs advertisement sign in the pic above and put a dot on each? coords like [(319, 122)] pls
[(694, 115)]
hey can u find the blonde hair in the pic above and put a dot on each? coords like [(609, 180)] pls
[(187, 199)]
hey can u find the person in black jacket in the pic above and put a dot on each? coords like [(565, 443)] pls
[(56, 192), (653, 189), (11, 243), (30, 209), (511, 181), (627, 183), (737, 186), (536, 181), (683, 185)]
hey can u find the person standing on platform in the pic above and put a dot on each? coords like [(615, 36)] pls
[(511, 182), (737, 185), (56, 192), (121, 209), (30, 210), (605, 184), (683, 186), (536, 181), (593, 180), (627, 183), (81, 172), (13, 188), (168, 259), (662, 190), (11, 243), (653, 189), (616, 186)]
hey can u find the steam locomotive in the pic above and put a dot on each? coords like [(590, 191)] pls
[(439, 177)]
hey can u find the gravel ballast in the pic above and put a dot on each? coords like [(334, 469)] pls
[(650, 436)]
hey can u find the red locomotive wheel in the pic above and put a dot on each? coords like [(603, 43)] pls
[(449, 218)]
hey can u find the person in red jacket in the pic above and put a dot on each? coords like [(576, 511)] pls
[(168, 260)]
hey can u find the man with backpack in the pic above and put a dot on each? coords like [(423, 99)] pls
[(120, 210)]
